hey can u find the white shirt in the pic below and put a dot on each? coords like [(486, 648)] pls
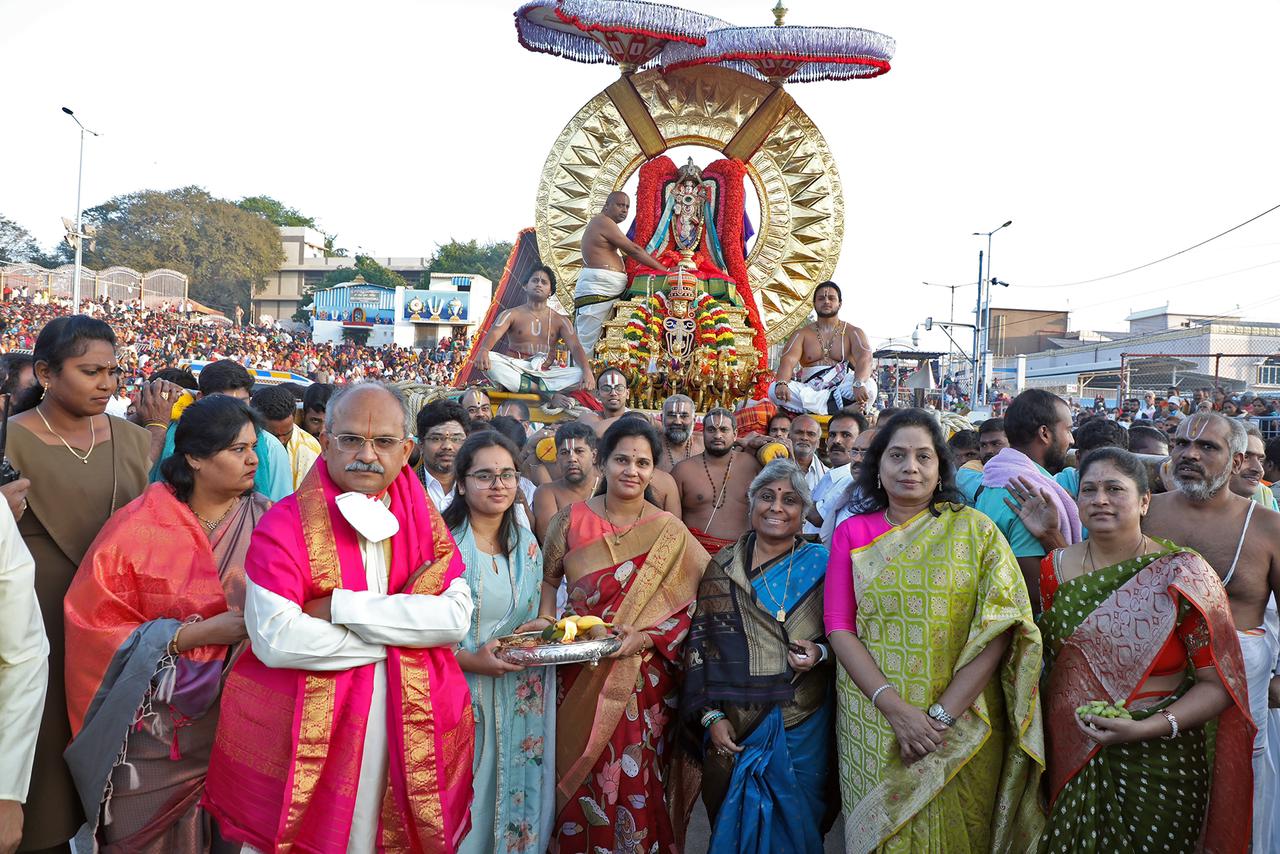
[(814, 473), (24, 662), (829, 488), (364, 623), (435, 491)]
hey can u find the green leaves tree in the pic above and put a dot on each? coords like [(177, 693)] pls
[(17, 245), (486, 259), (278, 213), (227, 251), (373, 272)]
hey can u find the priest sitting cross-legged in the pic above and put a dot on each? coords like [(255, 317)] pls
[(531, 332), (348, 727)]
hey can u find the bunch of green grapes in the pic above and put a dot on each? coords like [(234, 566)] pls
[(1103, 709)]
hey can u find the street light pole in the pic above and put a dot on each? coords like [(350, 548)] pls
[(79, 235), (951, 356), (985, 314)]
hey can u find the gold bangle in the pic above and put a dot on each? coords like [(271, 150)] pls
[(157, 424), (173, 642), (547, 617)]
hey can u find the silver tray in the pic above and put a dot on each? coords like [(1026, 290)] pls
[(548, 653)]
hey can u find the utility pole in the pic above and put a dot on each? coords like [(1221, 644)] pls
[(79, 235), (975, 387)]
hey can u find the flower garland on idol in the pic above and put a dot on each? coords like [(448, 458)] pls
[(714, 346)]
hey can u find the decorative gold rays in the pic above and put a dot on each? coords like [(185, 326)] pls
[(795, 176)]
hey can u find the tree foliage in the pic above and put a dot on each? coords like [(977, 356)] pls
[(17, 245), (227, 251), (276, 212), (373, 272), (485, 259)]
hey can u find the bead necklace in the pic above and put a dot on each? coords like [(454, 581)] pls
[(718, 500), (93, 438)]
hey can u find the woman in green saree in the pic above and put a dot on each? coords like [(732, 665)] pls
[(938, 715), (1131, 619)]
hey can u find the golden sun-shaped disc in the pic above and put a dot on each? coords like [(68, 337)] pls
[(802, 206)]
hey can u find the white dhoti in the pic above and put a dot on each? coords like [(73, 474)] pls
[(593, 300), (823, 390), (1259, 662), (528, 375)]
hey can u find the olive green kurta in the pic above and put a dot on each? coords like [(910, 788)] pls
[(67, 505)]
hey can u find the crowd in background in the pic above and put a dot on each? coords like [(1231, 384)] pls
[(155, 338)]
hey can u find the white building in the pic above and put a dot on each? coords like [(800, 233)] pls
[(450, 306)]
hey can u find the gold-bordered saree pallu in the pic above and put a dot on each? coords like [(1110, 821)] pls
[(612, 735), (286, 761), (931, 594), (1105, 632)]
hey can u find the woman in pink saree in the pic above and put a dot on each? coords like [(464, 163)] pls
[(638, 567), (154, 616)]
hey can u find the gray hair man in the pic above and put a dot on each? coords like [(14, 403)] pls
[(1241, 540)]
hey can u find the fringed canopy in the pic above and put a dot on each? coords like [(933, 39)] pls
[(791, 54), (630, 33)]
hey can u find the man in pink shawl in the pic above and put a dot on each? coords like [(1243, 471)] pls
[(348, 727), (1038, 426)]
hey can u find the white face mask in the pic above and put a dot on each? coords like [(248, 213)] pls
[(369, 516)]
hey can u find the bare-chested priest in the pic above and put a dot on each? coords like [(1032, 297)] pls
[(1241, 540), (603, 278), (833, 358), (713, 484), (531, 333), (576, 456), (679, 440)]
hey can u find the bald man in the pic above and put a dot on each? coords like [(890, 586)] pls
[(713, 484), (603, 277), (679, 440)]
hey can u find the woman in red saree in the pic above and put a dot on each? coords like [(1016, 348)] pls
[(155, 618), (638, 567)]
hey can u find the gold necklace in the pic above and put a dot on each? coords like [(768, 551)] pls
[(1088, 553), (617, 538), (93, 438), (211, 525), (781, 614), (830, 342)]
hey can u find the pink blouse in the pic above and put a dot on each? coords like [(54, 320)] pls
[(840, 606)]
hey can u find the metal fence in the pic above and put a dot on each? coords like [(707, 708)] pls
[(121, 284)]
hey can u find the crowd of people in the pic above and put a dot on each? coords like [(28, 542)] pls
[(151, 339), (269, 623)]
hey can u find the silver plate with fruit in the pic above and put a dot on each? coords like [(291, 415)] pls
[(539, 649)]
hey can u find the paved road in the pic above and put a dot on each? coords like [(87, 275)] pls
[(700, 834)]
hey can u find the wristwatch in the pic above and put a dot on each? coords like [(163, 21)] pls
[(940, 715)]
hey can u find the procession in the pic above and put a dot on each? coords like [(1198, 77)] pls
[(636, 534)]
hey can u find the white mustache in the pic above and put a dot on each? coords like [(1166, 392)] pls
[(356, 465)]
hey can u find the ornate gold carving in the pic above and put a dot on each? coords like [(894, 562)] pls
[(795, 176)]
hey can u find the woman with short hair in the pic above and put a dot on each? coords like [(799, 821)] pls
[(758, 696), (155, 614)]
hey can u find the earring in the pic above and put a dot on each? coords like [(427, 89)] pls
[(879, 485)]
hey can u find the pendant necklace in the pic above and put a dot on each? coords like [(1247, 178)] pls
[(830, 342), (93, 438), (617, 537), (781, 614), (211, 524)]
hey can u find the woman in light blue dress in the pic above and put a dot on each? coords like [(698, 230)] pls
[(509, 811)]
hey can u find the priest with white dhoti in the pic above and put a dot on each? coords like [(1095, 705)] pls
[(348, 727), (530, 333), (603, 279)]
